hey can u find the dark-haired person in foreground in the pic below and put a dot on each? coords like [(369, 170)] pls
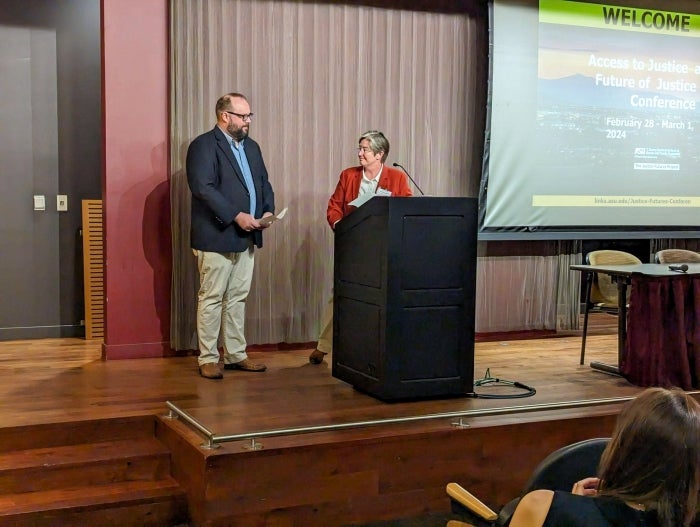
[(649, 472), (370, 177), (230, 193)]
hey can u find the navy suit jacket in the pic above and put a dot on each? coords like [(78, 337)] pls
[(219, 193)]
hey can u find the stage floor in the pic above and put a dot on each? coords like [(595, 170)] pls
[(56, 380), (354, 475)]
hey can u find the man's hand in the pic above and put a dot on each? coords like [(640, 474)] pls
[(247, 222), (265, 216)]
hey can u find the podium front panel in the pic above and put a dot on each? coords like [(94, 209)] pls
[(368, 271), (438, 330), (362, 333), (404, 285), (429, 253)]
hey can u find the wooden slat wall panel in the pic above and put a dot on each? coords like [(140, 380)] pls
[(93, 268)]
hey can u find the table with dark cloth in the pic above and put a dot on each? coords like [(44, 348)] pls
[(663, 331), (659, 334)]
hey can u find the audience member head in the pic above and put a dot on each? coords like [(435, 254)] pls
[(652, 460)]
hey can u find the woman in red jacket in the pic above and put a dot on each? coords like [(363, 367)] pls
[(368, 179)]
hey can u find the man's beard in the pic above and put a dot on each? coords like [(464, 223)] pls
[(238, 133)]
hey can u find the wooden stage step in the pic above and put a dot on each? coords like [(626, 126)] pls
[(63, 480)]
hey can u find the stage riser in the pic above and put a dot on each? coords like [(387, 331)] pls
[(111, 472), (359, 481), (330, 479)]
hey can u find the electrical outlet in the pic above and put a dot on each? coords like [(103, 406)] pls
[(39, 202)]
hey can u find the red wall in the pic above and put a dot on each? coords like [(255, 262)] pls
[(136, 195)]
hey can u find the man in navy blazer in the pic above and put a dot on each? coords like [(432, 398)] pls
[(230, 193)]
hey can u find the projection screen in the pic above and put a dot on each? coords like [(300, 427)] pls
[(592, 127)]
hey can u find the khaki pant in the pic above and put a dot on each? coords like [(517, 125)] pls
[(224, 284), (325, 338)]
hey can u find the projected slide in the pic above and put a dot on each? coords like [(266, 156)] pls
[(597, 124)]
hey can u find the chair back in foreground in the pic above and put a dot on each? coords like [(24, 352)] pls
[(564, 467), (558, 471), (672, 256)]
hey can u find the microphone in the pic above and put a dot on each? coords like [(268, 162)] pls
[(409, 177), (682, 268)]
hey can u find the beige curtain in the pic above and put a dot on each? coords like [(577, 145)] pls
[(528, 285), (317, 76), (569, 285)]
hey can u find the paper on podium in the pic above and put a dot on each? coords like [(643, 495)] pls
[(361, 200), (267, 220), (364, 198)]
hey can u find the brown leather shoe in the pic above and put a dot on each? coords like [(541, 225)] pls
[(210, 370), (316, 356), (245, 365)]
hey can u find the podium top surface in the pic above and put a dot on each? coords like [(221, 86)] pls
[(410, 205)]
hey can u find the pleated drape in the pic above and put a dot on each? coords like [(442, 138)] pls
[(317, 76), (663, 332)]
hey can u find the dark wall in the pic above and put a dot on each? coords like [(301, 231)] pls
[(77, 26)]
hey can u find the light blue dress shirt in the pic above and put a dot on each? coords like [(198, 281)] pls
[(239, 154)]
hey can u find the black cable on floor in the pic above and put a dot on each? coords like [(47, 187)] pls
[(487, 380)]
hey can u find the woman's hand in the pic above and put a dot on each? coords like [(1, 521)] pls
[(586, 487)]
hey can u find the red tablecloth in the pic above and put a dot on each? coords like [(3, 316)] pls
[(663, 332)]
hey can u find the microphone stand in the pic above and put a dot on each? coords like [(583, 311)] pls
[(409, 177)]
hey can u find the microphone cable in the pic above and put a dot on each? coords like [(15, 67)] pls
[(487, 380)]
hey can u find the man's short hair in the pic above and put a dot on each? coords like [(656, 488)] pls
[(224, 102)]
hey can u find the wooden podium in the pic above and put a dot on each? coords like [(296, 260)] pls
[(404, 288)]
